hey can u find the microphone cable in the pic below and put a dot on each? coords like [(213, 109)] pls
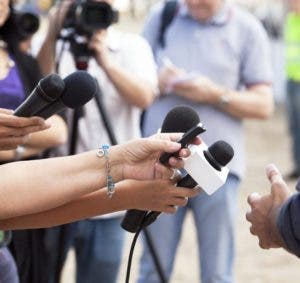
[(136, 235), (147, 220)]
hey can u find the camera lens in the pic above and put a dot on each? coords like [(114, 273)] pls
[(28, 23)]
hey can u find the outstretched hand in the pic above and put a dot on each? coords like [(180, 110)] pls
[(264, 210), (140, 157), (14, 130)]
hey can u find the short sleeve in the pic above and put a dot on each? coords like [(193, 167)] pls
[(256, 59)]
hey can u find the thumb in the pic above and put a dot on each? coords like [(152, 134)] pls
[(279, 189)]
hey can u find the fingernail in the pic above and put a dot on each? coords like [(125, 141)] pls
[(270, 168)]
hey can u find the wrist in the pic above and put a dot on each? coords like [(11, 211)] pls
[(223, 98), (116, 163)]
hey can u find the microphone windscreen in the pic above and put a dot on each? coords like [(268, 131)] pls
[(80, 87), (222, 152), (52, 87), (180, 119)]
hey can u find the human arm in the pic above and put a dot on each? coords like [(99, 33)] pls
[(34, 189), (254, 102), (135, 78), (39, 141), (156, 195), (15, 130), (274, 217)]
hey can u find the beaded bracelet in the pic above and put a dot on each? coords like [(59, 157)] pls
[(103, 152)]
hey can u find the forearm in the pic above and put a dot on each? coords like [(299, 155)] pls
[(255, 104), (46, 55), (288, 224), (40, 185), (54, 136), (135, 91), (94, 204)]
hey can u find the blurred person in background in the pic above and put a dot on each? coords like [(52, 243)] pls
[(274, 217), (214, 57), (19, 74), (292, 41), (124, 66)]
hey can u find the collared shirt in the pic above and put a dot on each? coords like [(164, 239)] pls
[(231, 49)]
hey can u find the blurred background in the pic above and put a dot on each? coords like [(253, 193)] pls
[(266, 142)]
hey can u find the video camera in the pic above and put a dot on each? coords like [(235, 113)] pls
[(83, 18), (26, 24)]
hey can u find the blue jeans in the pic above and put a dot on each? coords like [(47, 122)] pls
[(215, 221), (8, 269), (293, 110), (98, 245)]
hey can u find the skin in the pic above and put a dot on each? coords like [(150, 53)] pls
[(264, 210), (294, 5), (33, 191), (16, 130)]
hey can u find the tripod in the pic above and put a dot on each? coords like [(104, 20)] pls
[(67, 230)]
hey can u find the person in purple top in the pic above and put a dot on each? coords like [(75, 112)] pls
[(19, 74), (274, 217)]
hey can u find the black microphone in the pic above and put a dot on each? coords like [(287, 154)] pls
[(46, 92), (80, 87), (216, 156), (208, 168), (182, 119)]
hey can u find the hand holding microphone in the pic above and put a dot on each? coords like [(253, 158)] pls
[(205, 167), (180, 119)]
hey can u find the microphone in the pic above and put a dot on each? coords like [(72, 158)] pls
[(47, 91), (179, 119), (206, 166), (80, 87)]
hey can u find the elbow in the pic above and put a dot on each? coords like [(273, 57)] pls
[(146, 100), (267, 110)]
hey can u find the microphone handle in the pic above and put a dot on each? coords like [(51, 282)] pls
[(51, 109), (34, 103), (133, 219), (184, 141), (187, 182)]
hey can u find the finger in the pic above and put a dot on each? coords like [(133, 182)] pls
[(163, 145), (170, 209), (168, 136), (184, 153), (252, 230), (273, 174), (6, 111), (249, 216), (162, 172), (180, 201), (176, 162), (253, 198), (20, 122), (184, 192), (12, 142)]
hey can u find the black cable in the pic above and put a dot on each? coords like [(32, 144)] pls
[(136, 235)]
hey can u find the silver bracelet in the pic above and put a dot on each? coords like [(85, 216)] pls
[(103, 152), (19, 152)]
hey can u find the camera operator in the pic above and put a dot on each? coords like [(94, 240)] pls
[(124, 66)]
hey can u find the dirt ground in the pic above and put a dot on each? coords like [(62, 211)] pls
[(266, 142)]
